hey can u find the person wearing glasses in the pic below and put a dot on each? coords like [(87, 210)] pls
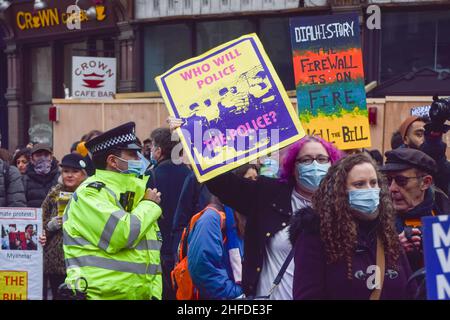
[(422, 134), (409, 174), (269, 204)]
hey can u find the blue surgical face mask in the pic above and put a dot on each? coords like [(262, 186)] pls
[(136, 167), (310, 175), (144, 163), (364, 200)]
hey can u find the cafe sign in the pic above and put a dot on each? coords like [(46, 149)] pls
[(56, 18), (93, 77), (51, 17)]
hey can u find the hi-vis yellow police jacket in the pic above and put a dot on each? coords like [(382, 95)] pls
[(115, 249)]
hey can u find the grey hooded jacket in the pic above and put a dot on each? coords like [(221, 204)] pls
[(12, 193)]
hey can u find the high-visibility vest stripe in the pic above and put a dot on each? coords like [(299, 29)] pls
[(70, 241), (135, 225), (135, 229), (115, 265), (149, 245), (144, 244), (108, 230), (105, 238)]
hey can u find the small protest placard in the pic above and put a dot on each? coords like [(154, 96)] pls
[(62, 201)]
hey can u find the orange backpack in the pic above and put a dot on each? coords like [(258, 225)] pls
[(181, 279)]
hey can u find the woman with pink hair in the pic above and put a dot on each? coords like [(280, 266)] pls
[(269, 205)]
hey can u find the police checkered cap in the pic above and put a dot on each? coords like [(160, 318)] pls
[(121, 137)]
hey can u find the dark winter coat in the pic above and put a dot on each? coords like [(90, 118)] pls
[(436, 149), (37, 186), (267, 204), (194, 197), (12, 193), (315, 279), (168, 178)]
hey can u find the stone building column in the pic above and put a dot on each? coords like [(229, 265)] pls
[(14, 98), (129, 58)]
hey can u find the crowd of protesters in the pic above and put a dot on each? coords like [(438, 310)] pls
[(305, 225)]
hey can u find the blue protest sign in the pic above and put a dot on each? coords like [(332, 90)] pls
[(436, 245)]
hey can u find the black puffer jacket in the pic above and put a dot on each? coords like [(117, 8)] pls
[(37, 186), (14, 196)]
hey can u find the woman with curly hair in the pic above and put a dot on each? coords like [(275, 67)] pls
[(343, 244), (268, 204)]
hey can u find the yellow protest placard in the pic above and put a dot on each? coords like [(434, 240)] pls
[(13, 285), (233, 104)]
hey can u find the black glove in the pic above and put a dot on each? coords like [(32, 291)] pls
[(436, 128), (66, 293)]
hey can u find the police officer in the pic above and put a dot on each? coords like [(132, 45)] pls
[(110, 231)]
